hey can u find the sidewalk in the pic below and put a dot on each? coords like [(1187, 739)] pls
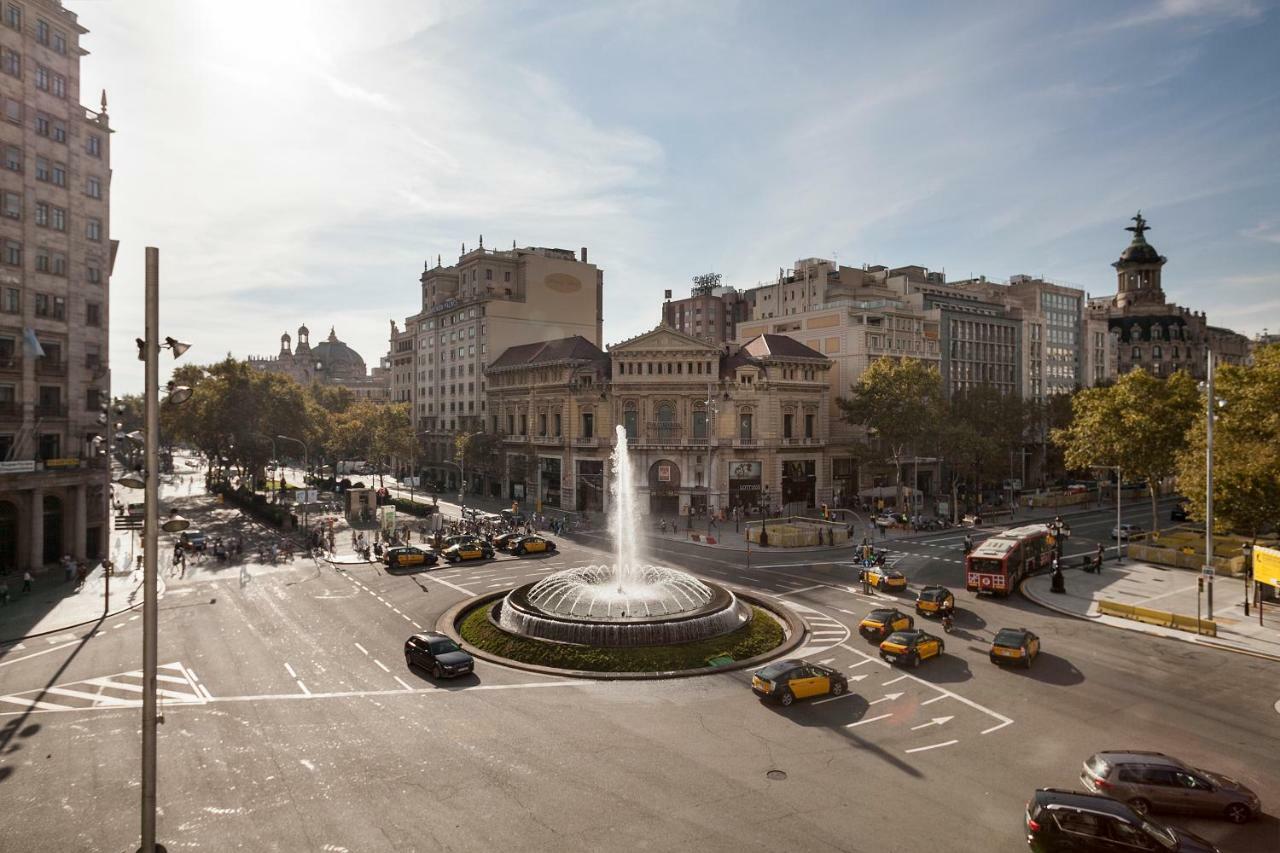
[(53, 604), (1161, 588)]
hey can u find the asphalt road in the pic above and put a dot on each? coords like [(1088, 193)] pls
[(292, 723)]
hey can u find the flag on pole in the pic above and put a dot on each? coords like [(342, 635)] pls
[(31, 344)]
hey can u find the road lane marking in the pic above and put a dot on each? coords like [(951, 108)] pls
[(402, 682), (362, 649), (292, 674), (888, 697), (936, 721), (381, 664), (868, 720), (303, 687), (932, 746), (39, 653), (826, 661), (893, 681), (804, 589), (934, 699)]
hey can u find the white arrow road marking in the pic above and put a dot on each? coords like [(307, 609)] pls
[(893, 681), (885, 698), (933, 745), (868, 720), (936, 721)]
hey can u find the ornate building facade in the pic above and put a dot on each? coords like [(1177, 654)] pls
[(709, 427), (1148, 331), (330, 362)]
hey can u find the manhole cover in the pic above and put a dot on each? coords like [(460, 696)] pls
[(777, 775)]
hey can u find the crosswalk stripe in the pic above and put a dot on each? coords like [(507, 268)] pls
[(32, 703), (96, 697), (137, 688)]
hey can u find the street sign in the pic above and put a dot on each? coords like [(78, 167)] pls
[(1207, 571)]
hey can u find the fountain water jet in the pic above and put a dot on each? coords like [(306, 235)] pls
[(630, 603)]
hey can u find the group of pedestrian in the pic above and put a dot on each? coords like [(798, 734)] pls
[(5, 597)]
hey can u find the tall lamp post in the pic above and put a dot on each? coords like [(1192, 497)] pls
[(1212, 404), (150, 354), (712, 411)]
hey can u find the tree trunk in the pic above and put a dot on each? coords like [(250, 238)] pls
[(1155, 513)]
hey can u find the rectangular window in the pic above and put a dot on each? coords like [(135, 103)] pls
[(42, 31), (59, 312), (42, 124), (58, 219), (42, 305), (13, 253), (59, 85), (11, 62), (542, 424), (787, 420), (93, 146), (629, 423), (92, 314), (13, 16), (59, 176), (93, 229), (808, 426), (42, 78), (58, 265), (588, 425), (13, 158), (93, 275), (60, 42), (558, 433), (699, 423), (744, 425), (42, 214), (93, 187), (59, 132), (12, 301), (11, 205)]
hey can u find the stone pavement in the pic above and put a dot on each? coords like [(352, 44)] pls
[(55, 605), (1167, 589)]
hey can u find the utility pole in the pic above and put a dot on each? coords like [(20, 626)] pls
[(1208, 479), (150, 547)]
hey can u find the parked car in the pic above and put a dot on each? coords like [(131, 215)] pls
[(785, 681), (1062, 820), (503, 540), (1126, 531), (1179, 512), (1153, 781), (438, 654), (532, 545)]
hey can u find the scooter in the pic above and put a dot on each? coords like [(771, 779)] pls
[(948, 623)]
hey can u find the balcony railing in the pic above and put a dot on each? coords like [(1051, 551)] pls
[(516, 439), (45, 367), (549, 440), (51, 410), (10, 364), (802, 442), (586, 441), (746, 442), (663, 432)]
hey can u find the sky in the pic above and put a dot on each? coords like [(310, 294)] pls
[(298, 161)]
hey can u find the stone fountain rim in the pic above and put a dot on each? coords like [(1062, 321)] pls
[(721, 598), (797, 633)]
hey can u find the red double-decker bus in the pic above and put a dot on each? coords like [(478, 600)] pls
[(998, 564)]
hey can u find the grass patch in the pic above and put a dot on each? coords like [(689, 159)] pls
[(758, 636)]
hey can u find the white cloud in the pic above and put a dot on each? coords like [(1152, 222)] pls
[(1199, 12), (1268, 232)]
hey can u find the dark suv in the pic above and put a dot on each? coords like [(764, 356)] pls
[(1061, 821)]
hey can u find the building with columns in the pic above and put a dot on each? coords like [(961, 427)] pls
[(708, 427), (330, 362), (56, 257), (1149, 332)]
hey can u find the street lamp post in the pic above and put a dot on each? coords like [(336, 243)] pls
[(1207, 571)]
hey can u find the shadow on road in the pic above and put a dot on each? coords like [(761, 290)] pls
[(835, 716), (1050, 669), (461, 682), (943, 669)]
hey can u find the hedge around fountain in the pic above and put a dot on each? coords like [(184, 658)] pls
[(758, 637)]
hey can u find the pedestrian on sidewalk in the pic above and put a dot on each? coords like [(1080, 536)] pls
[(68, 568), (26, 581), (4, 591)]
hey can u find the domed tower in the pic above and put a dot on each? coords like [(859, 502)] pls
[(285, 346), (304, 340), (1138, 270)]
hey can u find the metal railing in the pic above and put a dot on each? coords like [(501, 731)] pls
[(45, 367), (51, 410)]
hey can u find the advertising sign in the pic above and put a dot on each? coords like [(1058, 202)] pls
[(1266, 566)]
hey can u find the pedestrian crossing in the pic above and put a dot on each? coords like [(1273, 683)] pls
[(175, 684)]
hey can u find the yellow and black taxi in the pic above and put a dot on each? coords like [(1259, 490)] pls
[(910, 647), (407, 555), (532, 545), (469, 549), (934, 600), (883, 578), (883, 621), (1015, 645), (785, 681), (503, 541)]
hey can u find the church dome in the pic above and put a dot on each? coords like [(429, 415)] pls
[(1140, 253), (338, 360)]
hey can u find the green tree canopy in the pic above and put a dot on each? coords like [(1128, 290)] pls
[(1139, 424), (900, 402), (1246, 449)]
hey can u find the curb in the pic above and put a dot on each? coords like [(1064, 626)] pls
[(824, 549), (1226, 647), (160, 590), (446, 624)]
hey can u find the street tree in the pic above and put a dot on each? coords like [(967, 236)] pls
[(1139, 424), (981, 430), (1246, 449), (898, 401)]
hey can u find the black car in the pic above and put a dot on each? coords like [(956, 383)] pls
[(437, 653), (1179, 512), (1068, 821)]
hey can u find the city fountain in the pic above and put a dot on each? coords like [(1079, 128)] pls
[(630, 603)]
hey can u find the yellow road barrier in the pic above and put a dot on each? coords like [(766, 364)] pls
[(1207, 627)]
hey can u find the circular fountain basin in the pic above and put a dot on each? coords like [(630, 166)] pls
[(588, 606)]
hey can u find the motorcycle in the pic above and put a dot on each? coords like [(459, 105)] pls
[(947, 623)]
